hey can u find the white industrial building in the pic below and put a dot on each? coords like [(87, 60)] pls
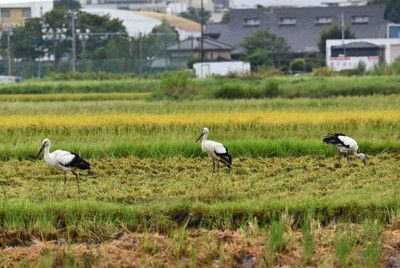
[(142, 23), (348, 53), (16, 11)]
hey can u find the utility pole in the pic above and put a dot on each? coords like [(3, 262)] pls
[(166, 51), (8, 29), (140, 54), (179, 53), (202, 32), (73, 15), (40, 48), (9, 33), (342, 26)]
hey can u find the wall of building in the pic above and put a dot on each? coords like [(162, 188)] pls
[(395, 52)]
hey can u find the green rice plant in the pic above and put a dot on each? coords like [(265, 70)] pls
[(372, 242), (344, 245), (46, 259), (276, 241), (193, 256), (180, 241), (308, 238), (276, 236), (376, 102)]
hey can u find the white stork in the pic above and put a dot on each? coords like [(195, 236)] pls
[(345, 145), (217, 151), (63, 161)]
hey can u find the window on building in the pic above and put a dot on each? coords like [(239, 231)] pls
[(5, 13), (323, 20), (287, 21), (252, 22), (359, 19), (26, 13)]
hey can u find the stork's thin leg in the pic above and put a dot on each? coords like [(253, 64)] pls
[(348, 159), (213, 165), (77, 180), (340, 156), (218, 165), (65, 178)]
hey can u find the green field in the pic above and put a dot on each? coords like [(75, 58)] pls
[(153, 197)]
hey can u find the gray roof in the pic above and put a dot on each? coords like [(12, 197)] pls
[(302, 36), (357, 45), (194, 44)]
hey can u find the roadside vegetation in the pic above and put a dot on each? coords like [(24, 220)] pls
[(179, 86)]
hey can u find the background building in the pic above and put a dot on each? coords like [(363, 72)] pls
[(143, 22), (347, 54), (293, 3), (300, 27), (164, 6), (16, 11)]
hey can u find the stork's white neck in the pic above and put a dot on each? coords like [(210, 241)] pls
[(205, 136), (46, 152)]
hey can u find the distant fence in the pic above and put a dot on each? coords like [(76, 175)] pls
[(36, 69)]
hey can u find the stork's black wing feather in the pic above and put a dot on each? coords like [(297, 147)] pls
[(78, 162), (334, 139), (226, 158)]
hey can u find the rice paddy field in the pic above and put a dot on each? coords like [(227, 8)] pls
[(152, 199)]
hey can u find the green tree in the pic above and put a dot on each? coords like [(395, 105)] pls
[(100, 53), (145, 49), (392, 10), (28, 43), (266, 41), (195, 14), (259, 58), (25, 40), (162, 36), (102, 24), (165, 29), (226, 17), (333, 32), (298, 65)]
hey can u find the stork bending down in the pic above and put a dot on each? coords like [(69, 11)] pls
[(345, 145), (217, 151), (63, 161)]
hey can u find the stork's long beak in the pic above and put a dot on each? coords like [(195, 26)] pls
[(198, 138), (41, 149)]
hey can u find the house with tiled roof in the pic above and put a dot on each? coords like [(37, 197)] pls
[(300, 27), (183, 51), (191, 47)]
